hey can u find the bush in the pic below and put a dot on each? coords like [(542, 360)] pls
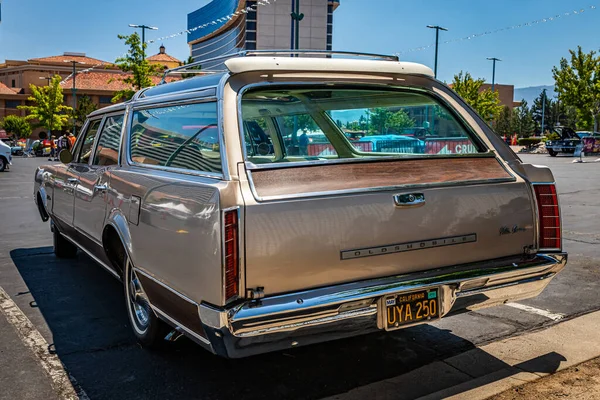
[(529, 142), (553, 136)]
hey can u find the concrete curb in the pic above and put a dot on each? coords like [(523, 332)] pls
[(495, 367)]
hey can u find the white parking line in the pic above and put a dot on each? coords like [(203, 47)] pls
[(538, 311), (64, 385)]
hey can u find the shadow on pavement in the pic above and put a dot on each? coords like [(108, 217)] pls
[(85, 311)]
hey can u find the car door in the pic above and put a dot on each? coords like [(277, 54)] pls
[(90, 194), (67, 177)]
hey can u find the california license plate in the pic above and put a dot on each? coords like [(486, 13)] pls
[(410, 308)]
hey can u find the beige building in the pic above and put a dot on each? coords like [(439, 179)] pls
[(506, 93), (162, 58)]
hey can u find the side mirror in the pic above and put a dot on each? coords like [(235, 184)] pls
[(65, 156)]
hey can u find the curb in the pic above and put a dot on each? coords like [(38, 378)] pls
[(495, 367)]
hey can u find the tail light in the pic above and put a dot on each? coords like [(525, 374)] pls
[(549, 214), (231, 256)]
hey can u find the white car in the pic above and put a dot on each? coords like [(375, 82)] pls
[(5, 156)]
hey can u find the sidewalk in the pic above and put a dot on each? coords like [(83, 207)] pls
[(494, 368)]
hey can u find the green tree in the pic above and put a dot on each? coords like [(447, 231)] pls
[(140, 71), (189, 61), (48, 108), (578, 85), (85, 106), (538, 108), (522, 120), (504, 122), (400, 120), (485, 102), (16, 126)]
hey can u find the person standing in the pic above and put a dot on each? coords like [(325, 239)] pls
[(52, 150), (71, 138)]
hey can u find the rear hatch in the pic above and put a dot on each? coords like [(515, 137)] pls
[(321, 225)]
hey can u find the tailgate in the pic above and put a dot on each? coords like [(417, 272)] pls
[(322, 225)]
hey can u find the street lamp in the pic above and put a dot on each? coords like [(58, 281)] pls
[(437, 38), (494, 59), (143, 28), (74, 90), (543, 108)]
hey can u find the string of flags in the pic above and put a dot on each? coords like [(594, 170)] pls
[(216, 21), (507, 28)]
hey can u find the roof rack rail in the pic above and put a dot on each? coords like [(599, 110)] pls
[(189, 68)]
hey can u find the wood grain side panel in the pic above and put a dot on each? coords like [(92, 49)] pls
[(336, 177)]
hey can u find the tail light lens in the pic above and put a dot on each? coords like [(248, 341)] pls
[(549, 213), (231, 256)]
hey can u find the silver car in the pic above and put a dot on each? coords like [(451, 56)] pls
[(226, 225)]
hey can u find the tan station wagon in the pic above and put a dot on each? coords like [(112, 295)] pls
[(293, 200)]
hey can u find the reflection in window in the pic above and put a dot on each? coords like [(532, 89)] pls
[(107, 151), (88, 142), (183, 136)]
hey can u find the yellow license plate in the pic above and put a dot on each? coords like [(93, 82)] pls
[(410, 308)]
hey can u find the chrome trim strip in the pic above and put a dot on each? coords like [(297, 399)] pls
[(404, 247), (183, 327), (93, 257), (164, 285), (472, 292), (220, 123)]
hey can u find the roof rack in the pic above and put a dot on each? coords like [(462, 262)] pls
[(189, 68)]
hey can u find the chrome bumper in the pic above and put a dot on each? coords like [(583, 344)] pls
[(317, 315)]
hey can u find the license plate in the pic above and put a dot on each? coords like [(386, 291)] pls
[(411, 308)]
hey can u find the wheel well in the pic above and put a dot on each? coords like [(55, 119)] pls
[(42, 208), (115, 251)]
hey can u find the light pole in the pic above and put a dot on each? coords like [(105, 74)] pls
[(48, 80), (543, 108), (74, 91), (296, 18), (437, 39), (494, 59), (143, 28)]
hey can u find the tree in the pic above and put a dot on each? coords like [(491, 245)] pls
[(485, 102), (522, 121), (48, 108), (85, 106), (504, 122), (16, 126), (189, 61), (578, 85), (538, 108), (139, 69)]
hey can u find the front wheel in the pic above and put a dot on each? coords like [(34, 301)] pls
[(552, 153), (147, 327)]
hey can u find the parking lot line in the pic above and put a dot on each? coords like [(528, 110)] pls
[(64, 385), (538, 311)]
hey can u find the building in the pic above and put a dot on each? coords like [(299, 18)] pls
[(505, 92), (228, 26), (97, 79)]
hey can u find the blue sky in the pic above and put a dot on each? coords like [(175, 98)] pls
[(386, 26)]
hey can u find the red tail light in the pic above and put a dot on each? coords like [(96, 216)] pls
[(231, 257), (549, 213)]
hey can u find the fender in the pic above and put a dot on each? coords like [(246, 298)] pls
[(119, 222)]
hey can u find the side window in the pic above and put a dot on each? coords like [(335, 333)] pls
[(183, 136), (107, 151), (85, 150)]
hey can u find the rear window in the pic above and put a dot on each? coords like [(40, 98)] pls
[(295, 125), (184, 136)]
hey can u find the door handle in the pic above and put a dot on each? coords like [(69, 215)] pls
[(409, 200), (100, 188), (73, 180)]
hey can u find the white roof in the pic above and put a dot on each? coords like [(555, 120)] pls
[(238, 65)]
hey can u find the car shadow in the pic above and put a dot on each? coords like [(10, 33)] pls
[(84, 308)]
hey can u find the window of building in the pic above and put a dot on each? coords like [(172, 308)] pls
[(251, 15), (251, 25), (330, 29), (13, 103), (250, 45), (14, 83), (251, 36), (105, 100), (107, 150), (184, 136), (329, 18)]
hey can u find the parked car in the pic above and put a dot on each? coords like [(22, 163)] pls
[(5, 156), (247, 252), (395, 144), (568, 142)]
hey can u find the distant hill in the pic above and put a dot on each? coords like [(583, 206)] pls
[(532, 92)]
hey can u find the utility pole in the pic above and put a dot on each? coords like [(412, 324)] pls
[(74, 92), (143, 28), (543, 108), (494, 59), (437, 39)]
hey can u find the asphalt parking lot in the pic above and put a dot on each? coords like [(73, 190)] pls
[(79, 310)]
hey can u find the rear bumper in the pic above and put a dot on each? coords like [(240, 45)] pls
[(328, 313)]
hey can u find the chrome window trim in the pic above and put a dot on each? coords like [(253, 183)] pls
[(82, 140), (101, 130), (474, 136), (130, 162), (220, 123)]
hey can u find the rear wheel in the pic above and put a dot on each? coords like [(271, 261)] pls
[(62, 247), (2, 164), (552, 153), (147, 327)]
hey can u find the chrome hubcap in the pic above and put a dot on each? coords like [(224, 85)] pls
[(139, 303)]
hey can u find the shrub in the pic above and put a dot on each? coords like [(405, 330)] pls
[(529, 142), (552, 136)]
